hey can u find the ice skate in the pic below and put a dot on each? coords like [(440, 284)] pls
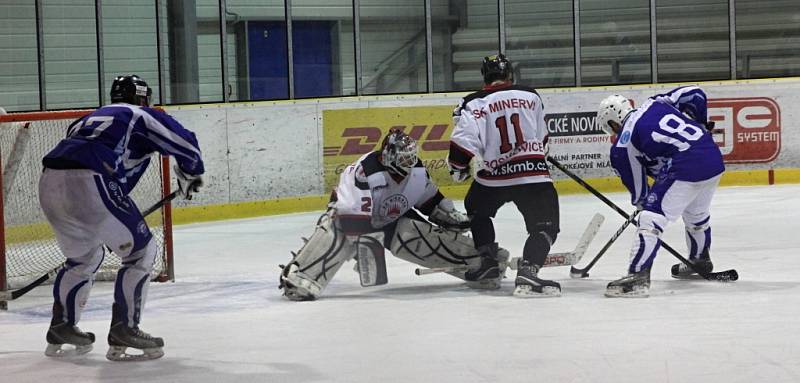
[(489, 274), (635, 285), (702, 263), (296, 287), (121, 337), (61, 334), (64, 335), (529, 285)]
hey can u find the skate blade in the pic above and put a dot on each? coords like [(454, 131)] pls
[(526, 291), (637, 292), (688, 277), (119, 354), (488, 284), (57, 350), (298, 296)]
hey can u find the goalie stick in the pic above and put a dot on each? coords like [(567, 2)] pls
[(12, 295), (555, 259), (721, 276), (584, 272)]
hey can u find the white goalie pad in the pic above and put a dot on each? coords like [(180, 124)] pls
[(370, 260), (432, 247), (317, 261)]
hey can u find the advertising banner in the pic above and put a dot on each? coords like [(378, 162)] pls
[(748, 130), (348, 134)]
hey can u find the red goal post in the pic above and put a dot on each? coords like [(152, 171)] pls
[(28, 248)]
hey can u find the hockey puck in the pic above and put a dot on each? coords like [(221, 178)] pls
[(578, 275)]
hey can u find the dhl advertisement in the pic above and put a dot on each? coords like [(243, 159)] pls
[(746, 129), (350, 133)]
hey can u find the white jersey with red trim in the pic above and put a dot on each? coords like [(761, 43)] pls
[(504, 124), (368, 197)]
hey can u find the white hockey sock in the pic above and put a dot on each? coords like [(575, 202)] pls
[(647, 241), (74, 282), (698, 237), (133, 279)]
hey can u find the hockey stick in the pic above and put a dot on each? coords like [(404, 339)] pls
[(555, 259), (721, 276), (584, 272), (12, 295)]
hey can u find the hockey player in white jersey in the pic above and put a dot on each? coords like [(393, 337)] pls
[(84, 193), (374, 207), (500, 139)]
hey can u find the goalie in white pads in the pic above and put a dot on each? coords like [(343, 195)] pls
[(372, 209)]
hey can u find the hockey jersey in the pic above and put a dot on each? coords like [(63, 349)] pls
[(117, 140), (368, 198), (658, 140), (504, 125)]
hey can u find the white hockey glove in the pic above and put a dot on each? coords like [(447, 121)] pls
[(459, 175), (446, 216), (476, 164), (187, 183)]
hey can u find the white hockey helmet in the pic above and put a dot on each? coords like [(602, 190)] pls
[(399, 152), (613, 108)]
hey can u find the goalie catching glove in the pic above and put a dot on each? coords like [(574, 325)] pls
[(187, 183), (446, 216)]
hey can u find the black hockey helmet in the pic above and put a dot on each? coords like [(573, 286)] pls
[(399, 152), (131, 89), (496, 67)]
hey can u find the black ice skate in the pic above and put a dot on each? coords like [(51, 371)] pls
[(702, 263), (489, 274), (529, 285), (635, 285), (61, 333), (121, 337)]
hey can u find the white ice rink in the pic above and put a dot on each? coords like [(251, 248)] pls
[(224, 319)]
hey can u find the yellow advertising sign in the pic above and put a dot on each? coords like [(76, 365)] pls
[(350, 133)]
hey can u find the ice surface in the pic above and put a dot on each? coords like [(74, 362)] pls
[(225, 321)]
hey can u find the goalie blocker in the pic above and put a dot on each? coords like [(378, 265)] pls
[(412, 240)]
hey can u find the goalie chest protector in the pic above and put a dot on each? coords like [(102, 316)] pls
[(367, 191)]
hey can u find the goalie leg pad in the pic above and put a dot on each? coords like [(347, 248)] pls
[(313, 266), (371, 261), (429, 246)]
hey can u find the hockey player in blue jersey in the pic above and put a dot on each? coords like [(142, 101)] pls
[(83, 192), (667, 139)]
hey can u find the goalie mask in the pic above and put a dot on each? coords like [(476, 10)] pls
[(132, 90), (399, 152)]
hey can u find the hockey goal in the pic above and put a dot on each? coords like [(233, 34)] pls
[(28, 248)]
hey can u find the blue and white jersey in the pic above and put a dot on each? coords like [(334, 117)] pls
[(690, 100), (658, 140), (117, 140)]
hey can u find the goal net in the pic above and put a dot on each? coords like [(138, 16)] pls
[(28, 248)]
